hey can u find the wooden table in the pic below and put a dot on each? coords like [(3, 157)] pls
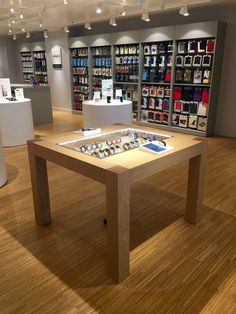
[(118, 172)]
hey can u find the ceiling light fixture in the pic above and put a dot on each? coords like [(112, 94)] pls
[(65, 2), (27, 35), (10, 31), (45, 33), (12, 10), (99, 8), (21, 16), (184, 10), (40, 24), (88, 26), (66, 29), (123, 12), (145, 17), (23, 29), (112, 21), (14, 37)]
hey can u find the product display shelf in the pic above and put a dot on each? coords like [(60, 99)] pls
[(127, 74), (156, 82), (101, 67), (40, 66), (27, 66), (80, 77), (192, 84)]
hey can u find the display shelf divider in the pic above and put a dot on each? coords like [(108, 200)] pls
[(171, 110)]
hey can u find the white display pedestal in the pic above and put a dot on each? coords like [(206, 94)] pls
[(3, 173), (16, 122), (97, 114)]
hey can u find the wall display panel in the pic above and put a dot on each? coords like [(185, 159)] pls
[(127, 74), (101, 67), (40, 67), (192, 85), (27, 66), (80, 76), (156, 82)]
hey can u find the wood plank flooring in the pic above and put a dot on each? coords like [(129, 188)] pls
[(175, 267)]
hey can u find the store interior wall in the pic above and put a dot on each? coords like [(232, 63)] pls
[(9, 65), (59, 79)]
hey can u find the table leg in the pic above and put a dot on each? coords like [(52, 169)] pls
[(118, 225), (195, 188), (39, 180)]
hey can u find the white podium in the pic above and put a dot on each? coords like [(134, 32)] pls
[(16, 122), (96, 114), (3, 173)]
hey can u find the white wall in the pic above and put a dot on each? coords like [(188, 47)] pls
[(59, 79), (8, 59)]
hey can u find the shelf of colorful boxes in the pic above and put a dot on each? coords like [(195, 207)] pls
[(27, 66), (40, 66), (193, 73), (156, 82), (127, 73), (80, 72), (102, 66)]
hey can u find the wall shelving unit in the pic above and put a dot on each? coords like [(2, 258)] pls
[(101, 66), (171, 78), (126, 74), (80, 76), (40, 67), (27, 66)]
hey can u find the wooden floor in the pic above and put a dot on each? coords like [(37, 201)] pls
[(175, 267)]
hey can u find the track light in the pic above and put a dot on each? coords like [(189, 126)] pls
[(13, 21), (112, 21), (99, 9), (145, 17), (40, 24), (45, 33), (27, 35), (21, 16), (184, 10), (123, 12), (14, 37), (65, 2), (9, 31), (23, 29), (66, 29), (88, 26), (12, 10)]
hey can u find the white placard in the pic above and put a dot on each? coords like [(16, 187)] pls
[(56, 58), (5, 87), (96, 96), (118, 93), (107, 88), (19, 93)]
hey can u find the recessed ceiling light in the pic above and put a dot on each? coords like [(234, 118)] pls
[(21, 16), (184, 10), (88, 26), (99, 8), (40, 24), (112, 22), (10, 31), (145, 17), (12, 10)]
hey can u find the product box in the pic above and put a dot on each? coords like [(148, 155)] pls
[(202, 124), (193, 121), (183, 121)]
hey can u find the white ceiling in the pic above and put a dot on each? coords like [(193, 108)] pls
[(55, 15)]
